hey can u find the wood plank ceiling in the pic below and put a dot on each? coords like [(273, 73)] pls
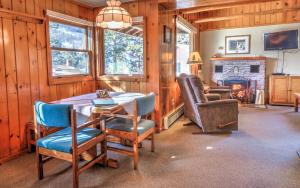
[(97, 3), (243, 13)]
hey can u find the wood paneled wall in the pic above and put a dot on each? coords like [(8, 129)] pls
[(23, 69), (169, 89), (256, 14)]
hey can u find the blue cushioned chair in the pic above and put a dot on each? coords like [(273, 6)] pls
[(68, 143), (129, 127)]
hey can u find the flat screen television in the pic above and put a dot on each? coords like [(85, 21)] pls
[(281, 40)]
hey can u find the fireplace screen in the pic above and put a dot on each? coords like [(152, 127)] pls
[(240, 89)]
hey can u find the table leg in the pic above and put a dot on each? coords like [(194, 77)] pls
[(296, 104), (91, 153)]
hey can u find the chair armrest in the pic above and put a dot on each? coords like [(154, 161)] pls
[(217, 103), (219, 115), (118, 116), (213, 96), (89, 123), (220, 87), (219, 90)]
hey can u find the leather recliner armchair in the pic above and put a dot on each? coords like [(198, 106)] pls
[(210, 116)]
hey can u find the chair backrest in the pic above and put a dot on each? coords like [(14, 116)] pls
[(53, 115), (189, 98), (198, 88), (145, 105)]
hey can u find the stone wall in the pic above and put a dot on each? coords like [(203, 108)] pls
[(239, 69)]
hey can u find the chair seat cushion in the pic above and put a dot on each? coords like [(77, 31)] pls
[(126, 125), (62, 140)]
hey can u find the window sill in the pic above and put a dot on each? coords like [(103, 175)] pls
[(69, 79), (137, 78)]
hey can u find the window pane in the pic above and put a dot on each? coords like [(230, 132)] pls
[(124, 51), (69, 63), (183, 45), (67, 36)]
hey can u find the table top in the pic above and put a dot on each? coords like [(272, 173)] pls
[(297, 94), (83, 103)]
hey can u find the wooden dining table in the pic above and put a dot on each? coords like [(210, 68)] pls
[(83, 104)]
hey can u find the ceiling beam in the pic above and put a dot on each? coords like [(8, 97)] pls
[(216, 19), (231, 17), (224, 6), (182, 5)]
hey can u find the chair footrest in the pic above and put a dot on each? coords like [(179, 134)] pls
[(92, 162), (227, 124), (118, 150)]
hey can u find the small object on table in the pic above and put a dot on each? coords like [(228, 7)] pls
[(103, 102), (102, 94), (296, 105)]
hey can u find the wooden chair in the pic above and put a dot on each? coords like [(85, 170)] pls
[(129, 127), (70, 142)]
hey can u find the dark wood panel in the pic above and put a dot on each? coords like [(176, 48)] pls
[(33, 61), (18, 5), (11, 84), (23, 77), (4, 128)]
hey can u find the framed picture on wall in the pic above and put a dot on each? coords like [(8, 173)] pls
[(239, 44), (167, 34)]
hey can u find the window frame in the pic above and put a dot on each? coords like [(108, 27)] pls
[(193, 36), (141, 20), (53, 80)]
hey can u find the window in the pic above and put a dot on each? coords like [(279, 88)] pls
[(124, 51), (185, 37), (70, 53), (183, 44)]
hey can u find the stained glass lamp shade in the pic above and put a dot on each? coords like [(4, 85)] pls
[(113, 16)]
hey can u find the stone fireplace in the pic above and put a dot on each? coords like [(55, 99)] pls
[(244, 75)]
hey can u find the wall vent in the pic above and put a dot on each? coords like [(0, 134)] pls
[(171, 117)]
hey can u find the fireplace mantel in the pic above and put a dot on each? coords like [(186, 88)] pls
[(260, 58)]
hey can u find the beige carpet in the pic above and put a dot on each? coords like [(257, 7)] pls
[(261, 154)]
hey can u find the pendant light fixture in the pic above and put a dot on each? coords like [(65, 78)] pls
[(113, 16)]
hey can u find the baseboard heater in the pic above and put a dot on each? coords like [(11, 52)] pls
[(171, 117)]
